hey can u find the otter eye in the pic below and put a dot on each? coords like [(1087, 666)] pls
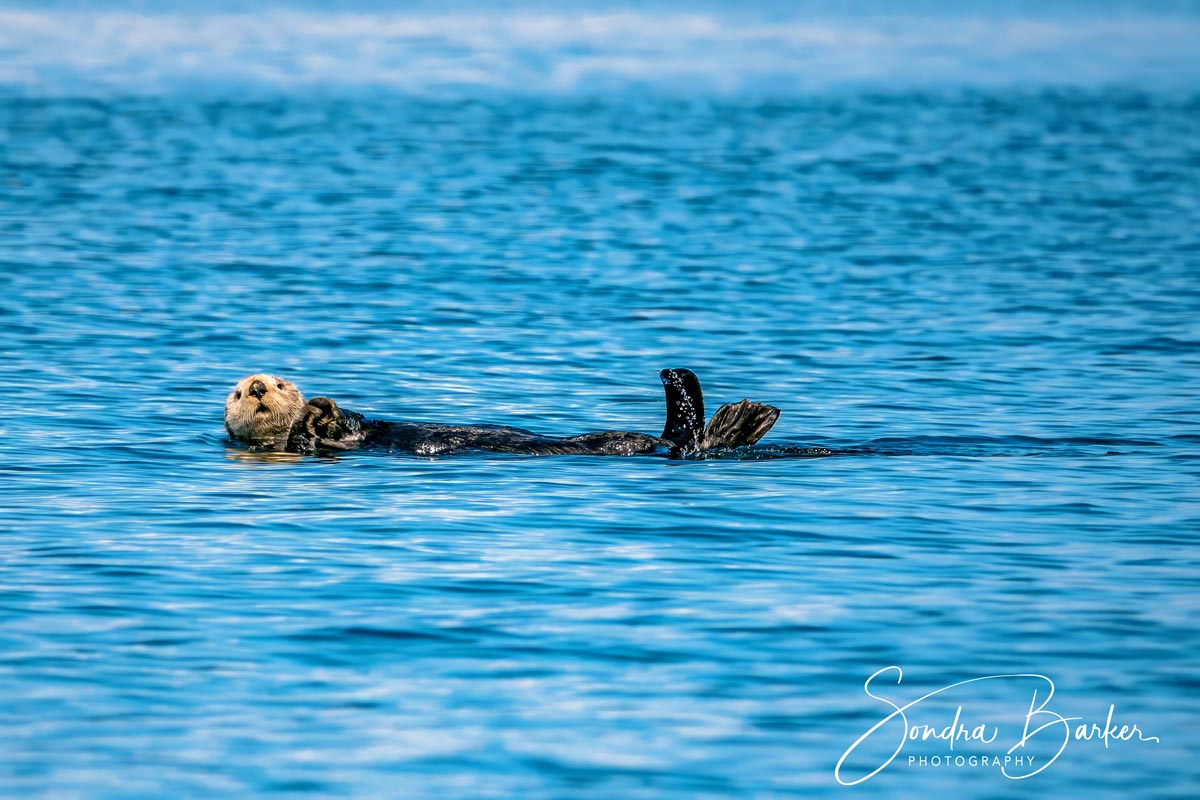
[(237, 395), (279, 386)]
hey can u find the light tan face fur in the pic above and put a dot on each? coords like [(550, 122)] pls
[(262, 420)]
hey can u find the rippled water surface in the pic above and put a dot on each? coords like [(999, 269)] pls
[(982, 297)]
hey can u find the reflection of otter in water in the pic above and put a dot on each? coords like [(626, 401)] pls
[(269, 413)]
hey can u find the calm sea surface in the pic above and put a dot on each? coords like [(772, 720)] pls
[(983, 293)]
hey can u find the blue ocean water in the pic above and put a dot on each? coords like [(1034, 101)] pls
[(960, 250)]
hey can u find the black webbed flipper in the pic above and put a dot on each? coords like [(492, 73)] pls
[(738, 424), (685, 408), (734, 424)]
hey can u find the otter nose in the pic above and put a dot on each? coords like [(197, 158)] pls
[(258, 389)]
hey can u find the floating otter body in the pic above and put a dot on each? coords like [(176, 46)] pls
[(271, 414)]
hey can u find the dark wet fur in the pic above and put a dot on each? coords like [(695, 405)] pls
[(323, 426), (344, 430)]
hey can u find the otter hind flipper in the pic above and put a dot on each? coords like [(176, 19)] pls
[(738, 424), (685, 408)]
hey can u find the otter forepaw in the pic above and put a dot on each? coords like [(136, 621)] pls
[(322, 425), (319, 415), (334, 444)]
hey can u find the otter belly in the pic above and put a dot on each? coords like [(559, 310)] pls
[(427, 438)]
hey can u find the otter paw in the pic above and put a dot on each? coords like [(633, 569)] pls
[(334, 444), (319, 415)]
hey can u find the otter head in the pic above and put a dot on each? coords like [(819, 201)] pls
[(261, 410)]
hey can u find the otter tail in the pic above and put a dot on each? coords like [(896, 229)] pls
[(685, 408), (734, 424)]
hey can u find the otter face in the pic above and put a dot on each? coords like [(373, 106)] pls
[(261, 409)]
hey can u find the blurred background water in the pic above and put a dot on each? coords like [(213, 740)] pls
[(958, 244)]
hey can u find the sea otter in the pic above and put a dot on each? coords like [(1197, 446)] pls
[(270, 413)]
